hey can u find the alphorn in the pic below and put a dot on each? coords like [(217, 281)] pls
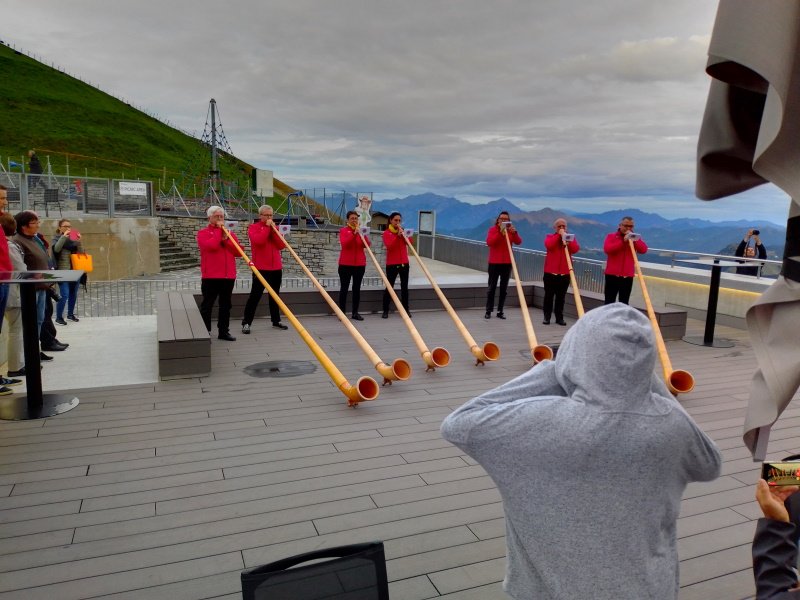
[(574, 283), (678, 382), (538, 352), (366, 388), (399, 369), (438, 357), (490, 351)]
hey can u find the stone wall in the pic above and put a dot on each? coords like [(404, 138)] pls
[(120, 247), (318, 249)]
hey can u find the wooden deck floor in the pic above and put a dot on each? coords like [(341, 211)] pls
[(169, 490)]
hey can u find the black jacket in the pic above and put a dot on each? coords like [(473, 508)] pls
[(774, 557), (761, 250)]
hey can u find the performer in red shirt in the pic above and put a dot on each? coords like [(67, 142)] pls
[(619, 265), (556, 271), (265, 247), (394, 239), (499, 261), (217, 271), (352, 263)]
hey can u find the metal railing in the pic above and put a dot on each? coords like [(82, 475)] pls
[(59, 194), (132, 297), (766, 267), (530, 263)]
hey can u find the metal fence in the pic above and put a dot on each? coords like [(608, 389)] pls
[(530, 263), (130, 297), (55, 195)]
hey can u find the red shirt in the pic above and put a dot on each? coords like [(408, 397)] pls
[(498, 248), (266, 245), (5, 260), (217, 258), (396, 248), (352, 253), (555, 261), (620, 259)]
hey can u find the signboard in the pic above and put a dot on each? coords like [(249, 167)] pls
[(426, 225), (363, 207), (427, 222), (132, 188), (262, 183)]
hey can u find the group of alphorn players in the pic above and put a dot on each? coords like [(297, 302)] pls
[(219, 247)]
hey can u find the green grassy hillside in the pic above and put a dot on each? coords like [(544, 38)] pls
[(69, 121)]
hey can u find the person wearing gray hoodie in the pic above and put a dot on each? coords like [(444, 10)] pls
[(591, 455)]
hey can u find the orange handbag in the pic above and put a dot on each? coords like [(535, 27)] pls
[(81, 262)]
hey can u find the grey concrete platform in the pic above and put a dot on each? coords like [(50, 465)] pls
[(167, 490)]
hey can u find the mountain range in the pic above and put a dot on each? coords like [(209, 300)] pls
[(471, 221)]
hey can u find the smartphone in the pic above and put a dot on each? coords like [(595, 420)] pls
[(505, 224), (569, 237), (781, 473), (634, 236), (74, 234)]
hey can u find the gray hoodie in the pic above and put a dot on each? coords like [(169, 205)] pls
[(591, 455)]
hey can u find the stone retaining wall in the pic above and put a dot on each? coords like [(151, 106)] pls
[(318, 249)]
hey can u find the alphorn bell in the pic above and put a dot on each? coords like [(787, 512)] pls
[(538, 352), (678, 382), (399, 369), (574, 283), (366, 388), (438, 357), (490, 351)]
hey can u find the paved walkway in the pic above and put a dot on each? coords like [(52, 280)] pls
[(119, 351)]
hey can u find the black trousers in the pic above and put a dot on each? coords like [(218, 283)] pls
[(392, 271), (47, 335), (618, 285), (273, 278), (346, 273), (213, 289), (555, 293), (503, 273)]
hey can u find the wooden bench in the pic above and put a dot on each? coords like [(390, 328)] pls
[(184, 344)]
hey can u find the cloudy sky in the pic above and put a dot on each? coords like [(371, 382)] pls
[(580, 106)]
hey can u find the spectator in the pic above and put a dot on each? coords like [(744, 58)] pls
[(266, 245), (499, 261), (35, 256), (745, 250), (8, 342), (66, 242), (775, 544), (556, 271), (619, 264), (34, 168), (217, 271), (352, 263), (394, 240), (591, 455)]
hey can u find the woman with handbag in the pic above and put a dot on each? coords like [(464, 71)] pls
[(66, 242)]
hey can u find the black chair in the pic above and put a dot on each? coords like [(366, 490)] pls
[(354, 572)]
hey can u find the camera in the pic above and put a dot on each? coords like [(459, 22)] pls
[(756, 232)]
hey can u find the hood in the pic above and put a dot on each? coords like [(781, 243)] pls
[(607, 358)]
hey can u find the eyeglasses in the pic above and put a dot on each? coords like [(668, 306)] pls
[(626, 225)]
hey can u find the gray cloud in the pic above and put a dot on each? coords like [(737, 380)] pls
[(533, 101)]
